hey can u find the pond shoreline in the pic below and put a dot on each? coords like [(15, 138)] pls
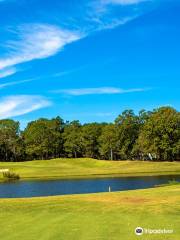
[(94, 176), (83, 168), (33, 188)]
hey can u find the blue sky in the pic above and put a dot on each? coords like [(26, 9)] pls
[(87, 60)]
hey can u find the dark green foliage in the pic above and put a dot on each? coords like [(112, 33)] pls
[(11, 176), (90, 134), (73, 139), (147, 136), (159, 137), (108, 142), (43, 138), (11, 143), (128, 126)]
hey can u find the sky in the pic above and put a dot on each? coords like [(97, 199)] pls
[(88, 60)]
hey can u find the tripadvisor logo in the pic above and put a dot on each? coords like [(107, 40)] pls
[(139, 231)]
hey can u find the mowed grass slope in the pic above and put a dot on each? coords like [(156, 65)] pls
[(57, 168), (103, 216)]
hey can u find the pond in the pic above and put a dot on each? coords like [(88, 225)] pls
[(21, 189)]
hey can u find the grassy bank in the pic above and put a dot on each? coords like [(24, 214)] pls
[(102, 216), (64, 168)]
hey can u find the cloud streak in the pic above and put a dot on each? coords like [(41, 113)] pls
[(108, 14), (39, 41), (99, 91), (12, 106), (36, 41), (123, 2), (7, 72), (8, 84)]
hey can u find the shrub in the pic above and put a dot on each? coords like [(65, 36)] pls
[(173, 182), (11, 176)]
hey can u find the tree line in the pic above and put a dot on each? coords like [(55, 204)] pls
[(148, 135)]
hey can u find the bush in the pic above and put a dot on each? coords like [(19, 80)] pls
[(173, 182), (11, 176)]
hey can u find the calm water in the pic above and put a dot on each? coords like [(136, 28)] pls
[(75, 186)]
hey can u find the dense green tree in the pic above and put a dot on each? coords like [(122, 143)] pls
[(73, 139), (11, 145), (90, 134), (109, 142), (43, 138), (159, 137), (128, 128), (149, 135), (143, 116), (57, 129)]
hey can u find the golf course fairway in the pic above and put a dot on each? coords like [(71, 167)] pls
[(88, 167), (102, 216)]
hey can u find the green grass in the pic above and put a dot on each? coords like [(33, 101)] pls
[(102, 216), (84, 167)]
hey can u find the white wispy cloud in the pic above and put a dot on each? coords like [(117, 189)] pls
[(122, 2), (17, 105), (7, 72), (36, 41), (104, 13), (8, 84), (102, 6), (95, 91)]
